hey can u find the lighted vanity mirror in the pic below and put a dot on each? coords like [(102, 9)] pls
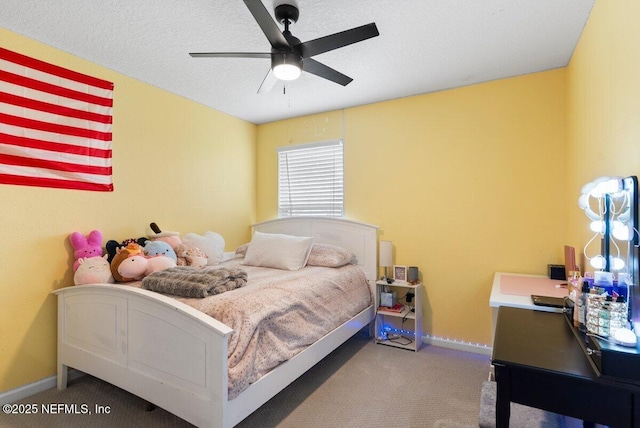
[(611, 203)]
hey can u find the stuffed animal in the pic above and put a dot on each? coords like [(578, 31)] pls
[(189, 253), (193, 257), (159, 248), (137, 267), (93, 270), (112, 245), (156, 234), (85, 247), (121, 255), (211, 243)]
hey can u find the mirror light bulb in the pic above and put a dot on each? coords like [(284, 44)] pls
[(597, 262), (622, 232), (583, 201), (597, 226), (617, 263)]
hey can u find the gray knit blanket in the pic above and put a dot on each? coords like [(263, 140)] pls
[(186, 281)]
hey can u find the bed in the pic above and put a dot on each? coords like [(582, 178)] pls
[(175, 356)]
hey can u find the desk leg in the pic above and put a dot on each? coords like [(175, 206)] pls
[(503, 396)]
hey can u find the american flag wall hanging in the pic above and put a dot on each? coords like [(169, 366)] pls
[(55, 126)]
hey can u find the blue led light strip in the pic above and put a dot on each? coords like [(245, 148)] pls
[(387, 329)]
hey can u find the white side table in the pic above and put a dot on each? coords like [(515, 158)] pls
[(400, 329)]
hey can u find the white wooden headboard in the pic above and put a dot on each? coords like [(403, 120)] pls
[(359, 238)]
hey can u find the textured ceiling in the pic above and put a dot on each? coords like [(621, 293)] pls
[(424, 46)]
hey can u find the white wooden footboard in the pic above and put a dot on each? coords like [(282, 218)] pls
[(150, 345)]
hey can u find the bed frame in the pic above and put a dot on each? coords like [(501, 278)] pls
[(174, 356)]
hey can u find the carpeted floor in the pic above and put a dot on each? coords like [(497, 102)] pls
[(359, 385)]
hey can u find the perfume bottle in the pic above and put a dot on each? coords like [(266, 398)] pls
[(573, 284)]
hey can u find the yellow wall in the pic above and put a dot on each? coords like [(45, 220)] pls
[(465, 183), (604, 103), (177, 163)]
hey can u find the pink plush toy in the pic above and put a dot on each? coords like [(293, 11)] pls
[(85, 247), (137, 267)]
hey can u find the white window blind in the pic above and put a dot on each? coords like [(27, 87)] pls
[(311, 180)]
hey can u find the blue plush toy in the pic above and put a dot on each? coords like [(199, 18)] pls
[(159, 248)]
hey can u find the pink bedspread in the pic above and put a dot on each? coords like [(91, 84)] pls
[(279, 313)]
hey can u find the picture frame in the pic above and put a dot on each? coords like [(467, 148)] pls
[(400, 273)]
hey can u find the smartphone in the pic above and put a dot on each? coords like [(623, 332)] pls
[(553, 302)]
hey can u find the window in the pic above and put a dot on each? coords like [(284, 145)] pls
[(310, 180)]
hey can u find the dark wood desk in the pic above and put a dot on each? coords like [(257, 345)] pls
[(539, 362)]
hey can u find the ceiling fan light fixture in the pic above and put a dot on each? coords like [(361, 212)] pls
[(287, 51), (286, 66)]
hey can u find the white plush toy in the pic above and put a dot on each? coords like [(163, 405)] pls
[(93, 270), (211, 243)]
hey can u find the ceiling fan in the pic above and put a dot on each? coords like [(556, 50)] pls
[(289, 56)]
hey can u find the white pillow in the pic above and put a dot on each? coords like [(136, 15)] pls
[(278, 251)]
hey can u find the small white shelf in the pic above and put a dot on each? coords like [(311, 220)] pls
[(406, 313), (400, 329)]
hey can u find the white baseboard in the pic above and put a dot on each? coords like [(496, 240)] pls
[(24, 391), (458, 345)]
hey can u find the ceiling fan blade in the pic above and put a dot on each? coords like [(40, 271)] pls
[(230, 55), (314, 67), (268, 83), (266, 23), (338, 40)]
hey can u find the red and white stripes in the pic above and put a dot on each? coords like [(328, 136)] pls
[(55, 126)]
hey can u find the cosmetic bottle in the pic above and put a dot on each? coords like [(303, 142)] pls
[(577, 296), (573, 284)]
